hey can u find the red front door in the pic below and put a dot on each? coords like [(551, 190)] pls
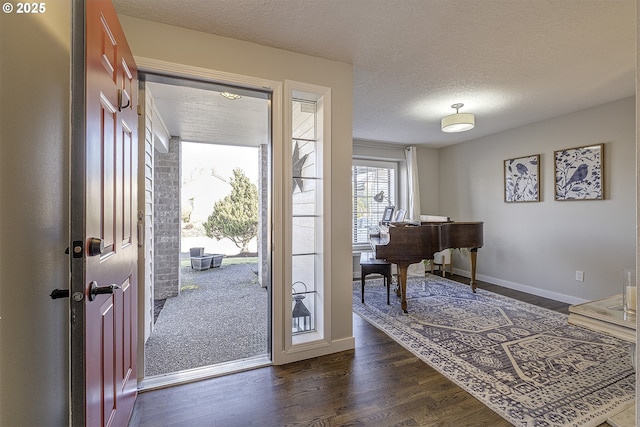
[(103, 226)]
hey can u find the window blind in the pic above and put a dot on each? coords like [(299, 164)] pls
[(370, 177)]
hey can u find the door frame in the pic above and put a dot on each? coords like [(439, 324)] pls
[(76, 173), (276, 217)]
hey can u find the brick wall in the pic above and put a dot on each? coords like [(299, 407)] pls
[(263, 219), (167, 221)]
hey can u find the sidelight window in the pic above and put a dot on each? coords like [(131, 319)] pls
[(309, 297)]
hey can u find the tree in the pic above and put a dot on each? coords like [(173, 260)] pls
[(236, 216)]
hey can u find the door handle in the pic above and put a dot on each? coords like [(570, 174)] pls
[(59, 293), (99, 290), (123, 97), (140, 229), (140, 234)]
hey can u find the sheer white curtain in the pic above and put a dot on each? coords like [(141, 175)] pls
[(411, 156), (413, 211)]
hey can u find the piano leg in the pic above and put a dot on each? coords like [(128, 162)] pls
[(402, 284), (474, 258)]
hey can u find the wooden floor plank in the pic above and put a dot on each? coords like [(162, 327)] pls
[(378, 384)]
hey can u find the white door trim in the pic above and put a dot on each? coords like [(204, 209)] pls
[(277, 146)]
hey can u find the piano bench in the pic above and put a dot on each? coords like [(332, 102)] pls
[(369, 264)]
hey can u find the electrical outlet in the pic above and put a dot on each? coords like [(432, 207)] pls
[(580, 276)]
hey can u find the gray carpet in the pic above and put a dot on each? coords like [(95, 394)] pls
[(220, 315)]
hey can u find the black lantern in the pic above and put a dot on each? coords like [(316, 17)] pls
[(301, 314)]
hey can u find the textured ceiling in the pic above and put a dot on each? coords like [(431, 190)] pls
[(511, 62)]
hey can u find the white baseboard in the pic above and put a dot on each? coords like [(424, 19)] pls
[(556, 296)]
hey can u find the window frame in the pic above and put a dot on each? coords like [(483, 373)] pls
[(391, 164), (299, 346)]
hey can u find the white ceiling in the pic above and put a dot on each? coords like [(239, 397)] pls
[(201, 114), (511, 62)]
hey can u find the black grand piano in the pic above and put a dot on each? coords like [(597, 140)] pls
[(409, 243)]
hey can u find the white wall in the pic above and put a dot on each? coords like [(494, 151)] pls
[(429, 178), (181, 46), (537, 247), (34, 151)]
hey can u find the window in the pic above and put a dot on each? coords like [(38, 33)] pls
[(370, 177), (308, 323), (306, 216)]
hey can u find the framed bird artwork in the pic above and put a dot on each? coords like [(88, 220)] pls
[(579, 173), (521, 179)]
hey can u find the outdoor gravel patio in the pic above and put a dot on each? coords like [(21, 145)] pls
[(220, 315)]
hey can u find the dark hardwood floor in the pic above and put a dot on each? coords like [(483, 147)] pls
[(377, 384)]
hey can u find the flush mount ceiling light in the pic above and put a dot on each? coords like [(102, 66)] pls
[(458, 122), (229, 95)]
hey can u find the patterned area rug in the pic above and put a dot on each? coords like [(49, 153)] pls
[(524, 362)]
